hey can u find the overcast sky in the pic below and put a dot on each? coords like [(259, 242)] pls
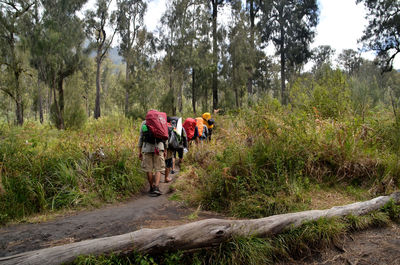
[(341, 23)]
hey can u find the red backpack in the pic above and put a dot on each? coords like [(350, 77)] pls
[(157, 123), (190, 126)]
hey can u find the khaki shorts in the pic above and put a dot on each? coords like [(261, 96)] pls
[(152, 162)]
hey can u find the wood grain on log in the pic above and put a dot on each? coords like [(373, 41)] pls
[(198, 234)]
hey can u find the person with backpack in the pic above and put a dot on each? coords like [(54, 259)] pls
[(152, 144), (192, 130), (204, 136), (178, 140), (209, 123), (169, 159)]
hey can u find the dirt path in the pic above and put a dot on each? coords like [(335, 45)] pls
[(142, 211), (380, 246)]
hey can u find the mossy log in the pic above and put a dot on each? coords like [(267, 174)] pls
[(205, 233)]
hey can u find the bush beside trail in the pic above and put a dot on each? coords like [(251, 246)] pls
[(270, 160), (44, 169)]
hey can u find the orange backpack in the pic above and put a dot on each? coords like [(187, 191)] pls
[(199, 123)]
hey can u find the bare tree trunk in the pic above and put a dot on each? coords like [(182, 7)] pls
[(40, 100), (235, 86), (127, 89), (180, 103), (252, 26), (49, 100), (205, 233), (283, 75), (19, 108), (97, 101), (215, 54), (171, 88), (59, 105), (194, 90)]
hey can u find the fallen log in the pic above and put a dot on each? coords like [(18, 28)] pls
[(198, 234)]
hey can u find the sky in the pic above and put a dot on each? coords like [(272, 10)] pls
[(341, 24)]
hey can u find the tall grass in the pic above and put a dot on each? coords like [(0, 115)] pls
[(43, 169), (266, 160)]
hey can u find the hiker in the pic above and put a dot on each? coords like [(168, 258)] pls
[(204, 136), (202, 127), (192, 130), (209, 123), (182, 142), (152, 143), (169, 158)]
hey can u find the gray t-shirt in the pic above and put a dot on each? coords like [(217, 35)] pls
[(149, 147)]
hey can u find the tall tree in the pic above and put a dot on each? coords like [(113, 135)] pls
[(200, 56), (290, 25), (179, 39), (240, 50), (130, 21), (350, 60), (382, 34), (322, 55), (253, 7), (96, 22), (12, 15), (60, 46), (36, 60), (214, 6)]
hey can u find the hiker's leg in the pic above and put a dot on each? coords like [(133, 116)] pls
[(167, 178), (180, 155), (150, 178), (168, 166), (157, 177), (147, 166), (159, 166)]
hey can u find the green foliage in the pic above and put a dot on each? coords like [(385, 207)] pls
[(75, 116), (328, 95), (393, 210), (43, 169)]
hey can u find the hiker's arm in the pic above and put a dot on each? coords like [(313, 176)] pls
[(196, 135), (185, 141), (140, 143)]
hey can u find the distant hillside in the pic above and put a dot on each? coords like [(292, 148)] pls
[(112, 54)]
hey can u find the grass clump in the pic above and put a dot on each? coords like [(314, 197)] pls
[(43, 169)]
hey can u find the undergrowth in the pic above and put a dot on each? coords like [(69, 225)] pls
[(292, 244), (43, 169), (268, 160)]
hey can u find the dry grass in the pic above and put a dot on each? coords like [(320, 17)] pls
[(325, 199)]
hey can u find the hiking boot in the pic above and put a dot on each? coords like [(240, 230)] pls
[(151, 191), (157, 191)]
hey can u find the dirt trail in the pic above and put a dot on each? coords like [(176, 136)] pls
[(380, 246), (142, 211)]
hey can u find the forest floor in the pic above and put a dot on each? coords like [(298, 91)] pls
[(374, 246)]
